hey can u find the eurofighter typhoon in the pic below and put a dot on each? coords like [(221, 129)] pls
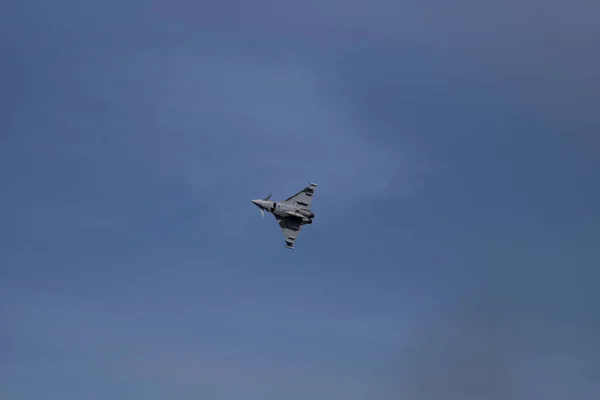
[(291, 214)]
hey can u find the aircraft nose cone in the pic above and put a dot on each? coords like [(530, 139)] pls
[(255, 202)]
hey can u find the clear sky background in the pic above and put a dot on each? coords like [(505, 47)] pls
[(456, 247)]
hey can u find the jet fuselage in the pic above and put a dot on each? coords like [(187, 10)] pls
[(285, 210)]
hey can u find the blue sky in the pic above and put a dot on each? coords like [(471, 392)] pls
[(455, 250)]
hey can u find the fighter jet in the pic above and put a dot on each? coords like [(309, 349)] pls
[(291, 214)]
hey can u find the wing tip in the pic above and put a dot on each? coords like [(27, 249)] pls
[(312, 184)]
